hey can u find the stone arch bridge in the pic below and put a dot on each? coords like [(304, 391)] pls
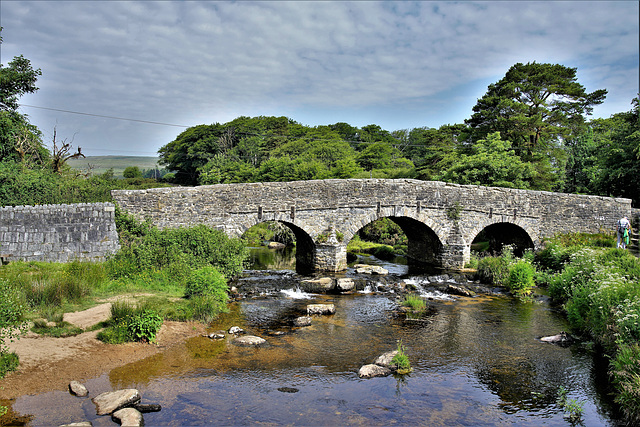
[(440, 220)]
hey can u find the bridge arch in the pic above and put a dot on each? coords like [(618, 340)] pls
[(305, 245), (424, 245), (500, 233)]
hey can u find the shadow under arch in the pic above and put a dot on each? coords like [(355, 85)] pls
[(424, 248), (305, 246), (501, 234)]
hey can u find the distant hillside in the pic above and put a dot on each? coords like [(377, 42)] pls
[(118, 163)]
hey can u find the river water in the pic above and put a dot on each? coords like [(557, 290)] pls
[(477, 361)]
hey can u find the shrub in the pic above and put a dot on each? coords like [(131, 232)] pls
[(492, 270), (626, 376), (520, 279), (144, 325), (8, 362), (13, 308), (206, 281)]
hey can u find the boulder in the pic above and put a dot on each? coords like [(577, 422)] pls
[(111, 401), (561, 338), (249, 340), (276, 245), (78, 389), (370, 269), (370, 371), (320, 285), (321, 309), (385, 359), (235, 330), (129, 417), (345, 284), (302, 321), (459, 290), (219, 335)]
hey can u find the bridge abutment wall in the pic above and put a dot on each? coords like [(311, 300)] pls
[(58, 233), (445, 216)]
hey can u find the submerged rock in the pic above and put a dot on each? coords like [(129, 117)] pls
[(249, 340), (561, 338), (371, 371), (111, 401), (219, 335), (147, 407), (321, 309), (302, 321), (128, 417), (80, 424), (276, 245), (78, 389), (288, 389)]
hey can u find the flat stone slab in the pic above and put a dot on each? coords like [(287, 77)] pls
[(371, 371), (370, 269), (321, 309), (111, 401), (249, 340), (129, 417), (345, 284)]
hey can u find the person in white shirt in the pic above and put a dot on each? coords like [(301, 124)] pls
[(624, 226)]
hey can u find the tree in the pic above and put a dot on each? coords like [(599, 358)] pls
[(132, 172), (491, 163), (19, 140), (534, 105), (619, 154)]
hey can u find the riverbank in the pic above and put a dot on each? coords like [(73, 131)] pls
[(48, 363)]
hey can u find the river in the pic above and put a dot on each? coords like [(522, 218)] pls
[(476, 361)]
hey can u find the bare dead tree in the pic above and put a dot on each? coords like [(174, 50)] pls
[(26, 147), (60, 154)]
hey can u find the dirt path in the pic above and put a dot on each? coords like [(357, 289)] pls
[(48, 363)]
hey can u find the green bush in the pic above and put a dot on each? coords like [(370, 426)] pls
[(493, 270), (131, 323), (144, 325), (520, 280), (178, 250), (13, 308), (8, 362), (401, 360), (206, 281), (626, 377)]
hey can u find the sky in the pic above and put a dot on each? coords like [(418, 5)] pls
[(168, 65)]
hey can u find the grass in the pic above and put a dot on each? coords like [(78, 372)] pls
[(117, 163)]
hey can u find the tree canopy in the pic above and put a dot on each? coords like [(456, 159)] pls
[(534, 104)]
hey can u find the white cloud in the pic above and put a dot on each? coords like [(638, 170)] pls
[(203, 62)]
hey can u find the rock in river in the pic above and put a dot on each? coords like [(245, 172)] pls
[(111, 401), (302, 321), (370, 269), (370, 371), (76, 388), (249, 340), (385, 359), (128, 417), (321, 309)]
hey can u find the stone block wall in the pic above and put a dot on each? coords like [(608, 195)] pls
[(58, 233)]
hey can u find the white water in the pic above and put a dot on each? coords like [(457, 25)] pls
[(424, 293), (296, 293)]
